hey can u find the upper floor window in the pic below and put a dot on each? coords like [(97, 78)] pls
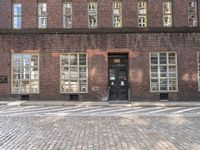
[(192, 13), (142, 14), (67, 15), (117, 14), (42, 15), (92, 14), (167, 13), (17, 16)]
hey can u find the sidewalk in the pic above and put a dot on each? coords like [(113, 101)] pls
[(106, 104)]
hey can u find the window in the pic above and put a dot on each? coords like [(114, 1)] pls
[(192, 13), (73, 73), (17, 16), (25, 73), (142, 14), (117, 14), (167, 13), (92, 14), (42, 15), (163, 72), (67, 15)]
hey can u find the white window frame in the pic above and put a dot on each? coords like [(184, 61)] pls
[(21, 80), (198, 67), (193, 15), (142, 17), (92, 13), (73, 79), (117, 24), (158, 67), (67, 15), (41, 17), (167, 15), (17, 16)]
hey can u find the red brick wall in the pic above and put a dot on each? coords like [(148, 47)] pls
[(98, 46), (80, 14), (5, 14)]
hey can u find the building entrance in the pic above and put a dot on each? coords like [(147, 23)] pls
[(118, 76)]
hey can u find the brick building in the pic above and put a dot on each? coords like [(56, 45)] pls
[(100, 50)]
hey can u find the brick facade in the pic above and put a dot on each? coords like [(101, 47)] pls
[(98, 43)]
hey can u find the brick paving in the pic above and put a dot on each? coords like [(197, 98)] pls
[(134, 132)]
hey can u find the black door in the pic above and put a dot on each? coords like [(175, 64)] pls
[(118, 76)]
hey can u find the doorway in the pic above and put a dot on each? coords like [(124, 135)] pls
[(118, 76)]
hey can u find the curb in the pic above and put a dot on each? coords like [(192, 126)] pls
[(105, 104)]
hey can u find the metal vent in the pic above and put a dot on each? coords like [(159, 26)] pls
[(73, 97), (25, 97), (164, 96)]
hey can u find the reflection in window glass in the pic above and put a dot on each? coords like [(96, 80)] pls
[(73, 73), (17, 16), (25, 73), (163, 72)]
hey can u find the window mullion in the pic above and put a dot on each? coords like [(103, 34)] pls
[(158, 72)]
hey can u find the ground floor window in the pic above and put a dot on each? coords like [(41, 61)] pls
[(25, 73), (73, 73), (163, 72)]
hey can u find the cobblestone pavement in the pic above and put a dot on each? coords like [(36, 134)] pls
[(99, 128)]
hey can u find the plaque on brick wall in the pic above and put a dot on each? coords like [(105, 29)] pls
[(3, 79)]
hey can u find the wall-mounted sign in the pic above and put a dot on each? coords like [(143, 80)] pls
[(3, 79)]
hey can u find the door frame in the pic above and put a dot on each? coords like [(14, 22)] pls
[(128, 83)]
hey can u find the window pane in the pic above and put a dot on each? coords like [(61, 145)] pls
[(154, 84), (82, 59), (172, 84), (172, 58), (163, 85), (34, 73), (172, 71), (83, 85), (142, 7), (82, 72), (67, 21), (65, 86), (34, 61), (16, 60), (67, 9), (154, 58), (42, 22), (73, 59), (163, 71), (74, 86), (167, 7), (154, 71), (25, 62), (17, 22), (42, 10), (16, 86), (74, 72), (17, 10), (25, 87), (163, 58)]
